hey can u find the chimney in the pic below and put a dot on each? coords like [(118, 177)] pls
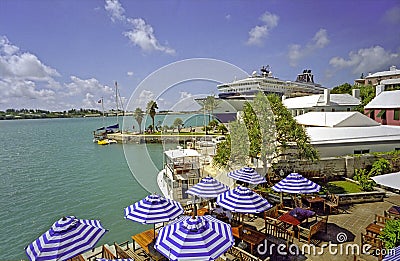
[(356, 93), (379, 89), (327, 96)]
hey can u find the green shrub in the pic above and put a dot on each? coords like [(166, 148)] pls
[(381, 166), (391, 234), (363, 178)]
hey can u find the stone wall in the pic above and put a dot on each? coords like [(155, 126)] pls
[(333, 167)]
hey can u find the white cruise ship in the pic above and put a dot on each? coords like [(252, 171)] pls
[(232, 95)]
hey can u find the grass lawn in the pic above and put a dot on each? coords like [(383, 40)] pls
[(343, 187)]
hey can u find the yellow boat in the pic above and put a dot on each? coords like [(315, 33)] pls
[(103, 142), (106, 141)]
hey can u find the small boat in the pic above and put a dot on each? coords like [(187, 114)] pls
[(106, 141), (100, 134), (181, 171)]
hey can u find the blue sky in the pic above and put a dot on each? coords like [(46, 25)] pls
[(59, 55)]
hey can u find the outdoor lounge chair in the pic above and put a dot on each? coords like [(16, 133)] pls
[(374, 243), (307, 233), (105, 253), (77, 258), (298, 203), (128, 253)]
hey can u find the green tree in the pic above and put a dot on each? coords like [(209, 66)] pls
[(223, 153), (151, 110), (239, 144), (367, 93), (342, 89), (266, 120), (209, 104), (178, 123), (213, 124), (138, 114), (222, 128), (253, 129), (289, 132)]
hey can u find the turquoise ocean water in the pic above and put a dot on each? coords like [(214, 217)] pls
[(51, 168)]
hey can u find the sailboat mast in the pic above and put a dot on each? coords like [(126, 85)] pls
[(116, 98), (102, 108)]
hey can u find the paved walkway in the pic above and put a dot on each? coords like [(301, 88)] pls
[(350, 223)]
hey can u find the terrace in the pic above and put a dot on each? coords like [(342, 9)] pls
[(345, 228)]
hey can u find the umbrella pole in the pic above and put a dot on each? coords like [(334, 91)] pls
[(194, 206), (154, 236)]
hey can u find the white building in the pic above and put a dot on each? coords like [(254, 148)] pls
[(377, 78), (342, 133), (323, 102)]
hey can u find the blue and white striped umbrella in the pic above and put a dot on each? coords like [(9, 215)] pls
[(248, 175), (296, 184), (67, 238), (394, 255), (207, 188), (243, 200), (195, 238), (153, 209)]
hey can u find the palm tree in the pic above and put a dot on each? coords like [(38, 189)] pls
[(151, 110), (209, 104), (138, 114)]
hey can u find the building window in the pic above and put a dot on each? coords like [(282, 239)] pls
[(348, 109), (372, 114), (382, 114), (361, 151), (396, 115), (397, 149)]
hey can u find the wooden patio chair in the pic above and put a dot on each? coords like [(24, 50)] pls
[(331, 201)]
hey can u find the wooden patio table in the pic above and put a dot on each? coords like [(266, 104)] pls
[(314, 199), (146, 241), (249, 236), (374, 229), (289, 219)]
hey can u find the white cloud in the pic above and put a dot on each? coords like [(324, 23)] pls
[(184, 95), (270, 20), (258, 33), (393, 15), (24, 79), (86, 93), (115, 10), (129, 74), (320, 39), (366, 60), (141, 34), (26, 82), (24, 66), (297, 52)]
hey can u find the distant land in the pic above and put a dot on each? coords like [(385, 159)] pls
[(19, 114), (14, 114)]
